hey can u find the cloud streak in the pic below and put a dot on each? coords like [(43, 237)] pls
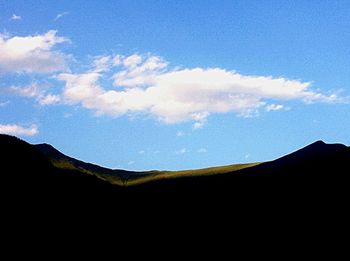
[(15, 17), (146, 85), (274, 107), (60, 15), (32, 54), (202, 150), (182, 151), (17, 130)]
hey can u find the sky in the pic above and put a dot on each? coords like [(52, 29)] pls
[(145, 85)]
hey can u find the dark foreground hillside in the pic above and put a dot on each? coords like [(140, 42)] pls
[(26, 172), (317, 167), (317, 173)]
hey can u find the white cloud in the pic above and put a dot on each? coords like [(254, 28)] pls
[(145, 84), (60, 15), (202, 150), (84, 89), (137, 71), (30, 91), (15, 17), (118, 60), (141, 152), (274, 107), (36, 92), (132, 60), (49, 99), (16, 130), (101, 64), (32, 54), (181, 151)]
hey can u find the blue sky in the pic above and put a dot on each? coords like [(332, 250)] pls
[(175, 84)]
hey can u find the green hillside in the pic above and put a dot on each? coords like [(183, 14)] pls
[(157, 175)]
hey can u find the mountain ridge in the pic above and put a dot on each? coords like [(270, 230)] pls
[(315, 163), (125, 177)]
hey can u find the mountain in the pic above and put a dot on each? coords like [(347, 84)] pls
[(21, 162), (316, 164), (318, 169), (26, 171)]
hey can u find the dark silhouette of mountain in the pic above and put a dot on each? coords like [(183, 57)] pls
[(317, 171), (315, 177), (304, 191), (314, 164), (26, 171), (21, 163)]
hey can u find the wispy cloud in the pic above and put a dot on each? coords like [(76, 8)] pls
[(15, 17), (17, 130), (60, 15), (131, 162), (35, 91), (202, 150), (32, 54), (274, 107), (181, 151)]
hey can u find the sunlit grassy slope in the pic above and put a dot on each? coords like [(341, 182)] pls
[(134, 178), (157, 175), (129, 178)]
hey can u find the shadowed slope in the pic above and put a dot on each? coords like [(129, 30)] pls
[(315, 161), (317, 169), (26, 170), (21, 163)]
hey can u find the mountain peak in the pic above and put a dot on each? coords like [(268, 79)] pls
[(319, 143), (314, 150), (45, 145)]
